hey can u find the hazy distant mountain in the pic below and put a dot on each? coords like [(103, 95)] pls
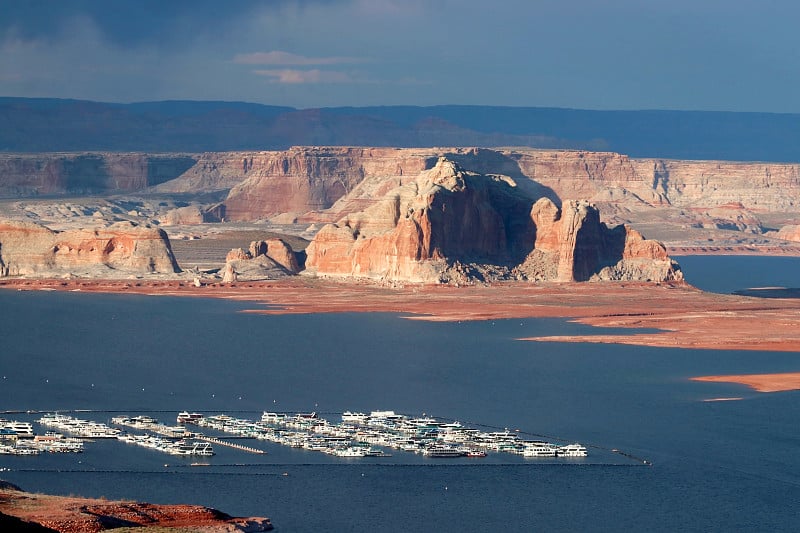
[(38, 125)]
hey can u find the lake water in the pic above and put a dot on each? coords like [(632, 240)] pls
[(726, 274), (716, 466)]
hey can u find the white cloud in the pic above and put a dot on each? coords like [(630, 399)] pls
[(297, 76), (278, 57)]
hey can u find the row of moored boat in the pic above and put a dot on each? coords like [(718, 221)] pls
[(364, 435), (356, 435)]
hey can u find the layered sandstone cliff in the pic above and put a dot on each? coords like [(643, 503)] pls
[(608, 176), (302, 180), (450, 224), (28, 249), (87, 173), (572, 244), (367, 191)]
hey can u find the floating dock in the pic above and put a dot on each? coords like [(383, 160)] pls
[(234, 445)]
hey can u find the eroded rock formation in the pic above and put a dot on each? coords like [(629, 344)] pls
[(28, 249), (268, 259), (448, 223), (790, 232), (572, 244), (183, 215)]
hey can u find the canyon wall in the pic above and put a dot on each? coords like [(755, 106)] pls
[(90, 173), (325, 184), (608, 176), (311, 180), (303, 180), (122, 249), (444, 214)]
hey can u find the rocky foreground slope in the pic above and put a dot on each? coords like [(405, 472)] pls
[(24, 511)]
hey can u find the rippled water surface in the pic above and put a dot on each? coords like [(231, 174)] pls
[(716, 466)]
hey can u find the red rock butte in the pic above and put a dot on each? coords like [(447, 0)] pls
[(447, 224), (28, 249)]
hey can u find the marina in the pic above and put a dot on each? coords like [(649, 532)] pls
[(377, 434), (171, 447), (18, 438), (366, 435), (634, 400), (234, 445), (82, 428)]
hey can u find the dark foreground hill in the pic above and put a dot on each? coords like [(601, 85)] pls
[(48, 125)]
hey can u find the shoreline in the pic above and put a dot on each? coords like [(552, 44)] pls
[(672, 315), (683, 316), (28, 511), (758, 382)]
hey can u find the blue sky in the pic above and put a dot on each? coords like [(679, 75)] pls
[(735, 55)]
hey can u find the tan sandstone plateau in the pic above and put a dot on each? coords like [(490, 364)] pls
[(307, 182), (311, 179)]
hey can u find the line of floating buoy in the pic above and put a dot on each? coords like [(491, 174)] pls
[(633, 457), (221, 442)]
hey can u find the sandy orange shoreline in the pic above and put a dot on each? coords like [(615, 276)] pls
[(789, 250), (684, 316), (759, 382), (76, 514)]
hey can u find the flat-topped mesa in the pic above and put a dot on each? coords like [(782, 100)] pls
[(28, 249), (326, 183), (448, 224)]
